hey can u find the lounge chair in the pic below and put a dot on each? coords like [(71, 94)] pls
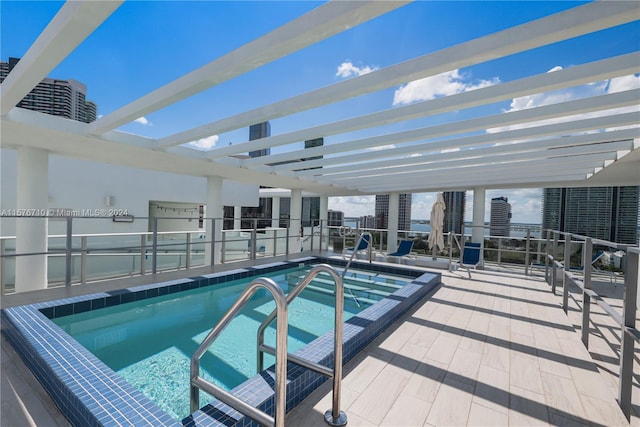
[(470, 256), (363, 245), (404, 250)]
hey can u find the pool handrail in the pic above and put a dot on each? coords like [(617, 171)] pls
[(224, 396), (333, 416)]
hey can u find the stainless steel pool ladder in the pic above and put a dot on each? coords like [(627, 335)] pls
[(198, 383), (333, 416)]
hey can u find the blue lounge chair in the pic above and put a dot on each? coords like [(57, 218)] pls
[(470, 256), (404, 250), (362, 246)]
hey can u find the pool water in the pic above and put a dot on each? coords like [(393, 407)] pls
[(150, 342)]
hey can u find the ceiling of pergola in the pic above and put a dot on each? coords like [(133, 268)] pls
[(591, 141)]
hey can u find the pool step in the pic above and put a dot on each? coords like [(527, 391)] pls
[(362, 300), (353, 282), (357, 290)]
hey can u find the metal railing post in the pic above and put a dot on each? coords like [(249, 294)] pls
[(499, 251), (586, 298), (320, 241), (154, 247), (2, 248), (143, 254), (187, 262), (68, 252), (629, 313), (213, 244), (554, 268), (526, 253), (287, 246), (546, 256), (311, 237), (83, 260), (567, 266), (254, 240)]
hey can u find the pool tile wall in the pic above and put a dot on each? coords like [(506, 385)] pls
[(89, 393)]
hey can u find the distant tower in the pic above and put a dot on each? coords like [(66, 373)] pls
[(404, 212), (64, 98), (335, 218), (454, 215), (500, 223), (607, 213), (257, 131)]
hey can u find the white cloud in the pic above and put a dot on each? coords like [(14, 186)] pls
[(617, 84), (354, 206), (444, 84), (204, 143), (383, 147), (620, 84), (348, 69), (142, 120)]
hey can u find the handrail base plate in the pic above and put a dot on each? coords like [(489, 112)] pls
[(336, 422)]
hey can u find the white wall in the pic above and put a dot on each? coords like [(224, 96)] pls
[(83, 185)]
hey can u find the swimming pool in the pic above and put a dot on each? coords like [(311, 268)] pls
[(90, 393), (149, 342)]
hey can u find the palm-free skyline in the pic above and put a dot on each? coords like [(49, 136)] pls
[(145, 45)]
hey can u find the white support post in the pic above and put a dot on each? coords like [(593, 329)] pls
[(275, 212), (237, 217), (324, 221), (214, 226), (32, 233), (392, 223), (477, 232), (295, 214)]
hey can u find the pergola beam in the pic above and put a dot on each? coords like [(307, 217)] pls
[(561, 26), (325, 21)]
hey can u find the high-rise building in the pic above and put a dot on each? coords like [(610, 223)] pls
[(404, 211), (368, 221), (335, 218), (257, 131), (607, 213), (500, 222), (454, 214), (64, 98)]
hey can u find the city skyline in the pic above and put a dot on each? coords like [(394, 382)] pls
[(526, 205), (138, 67)]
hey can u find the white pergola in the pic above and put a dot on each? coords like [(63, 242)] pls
[(592, 141), (588, 143)]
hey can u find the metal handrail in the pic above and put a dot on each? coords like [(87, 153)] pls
[(355, 250), (199, 383), (333, 416)]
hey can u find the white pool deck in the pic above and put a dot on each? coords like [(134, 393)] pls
[(493, 350)]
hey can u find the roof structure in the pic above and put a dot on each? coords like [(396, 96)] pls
[(591, 141)]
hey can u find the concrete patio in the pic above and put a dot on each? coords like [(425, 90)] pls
[(493, 350)]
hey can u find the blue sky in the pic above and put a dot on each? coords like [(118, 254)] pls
[(145, 45)]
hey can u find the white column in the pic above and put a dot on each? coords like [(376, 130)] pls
[(477, 234), (294, 226), (324, 210), (237, 217), (215, 209), (275, 212), (32, 233), (324, 216), (394, 213)]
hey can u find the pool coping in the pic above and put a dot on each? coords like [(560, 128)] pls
[(89, 393)]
